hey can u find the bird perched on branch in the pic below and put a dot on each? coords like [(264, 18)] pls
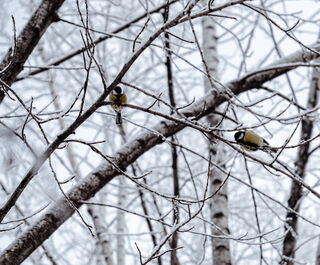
[(117, 98), (250, 141)]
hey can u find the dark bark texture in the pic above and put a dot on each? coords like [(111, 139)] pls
[(12, 63), (294, 201)]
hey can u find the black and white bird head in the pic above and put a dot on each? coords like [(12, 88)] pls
[(118, 90), (238, 136)]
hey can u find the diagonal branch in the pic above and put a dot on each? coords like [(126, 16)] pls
[(92, 109), (27, 41), (60, 211), (97, 41)]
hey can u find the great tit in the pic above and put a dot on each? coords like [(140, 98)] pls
[(251, 141), (117, 97)]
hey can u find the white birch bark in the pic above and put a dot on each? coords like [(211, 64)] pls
[(102, 241), (219, 203), (318, 253), (121, 223)]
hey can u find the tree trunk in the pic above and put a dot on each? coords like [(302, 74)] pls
[(294, 201), (318, 253), (219, 204), (102, 242), (27, 40)]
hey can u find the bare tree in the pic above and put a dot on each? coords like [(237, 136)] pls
[(171, 185)]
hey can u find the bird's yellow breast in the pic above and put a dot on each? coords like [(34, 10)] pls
[(117, 101)]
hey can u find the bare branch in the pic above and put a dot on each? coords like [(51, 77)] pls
[(99, 40), (27, 40), (61, 210)]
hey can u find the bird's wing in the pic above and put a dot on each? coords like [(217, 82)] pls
[(123, 98), (112, 97)]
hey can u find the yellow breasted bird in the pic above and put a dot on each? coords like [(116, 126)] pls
[(250, 141), (117, 97)]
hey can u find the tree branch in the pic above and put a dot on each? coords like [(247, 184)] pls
[(82, 118), (60, 211), (97, 41), (12, 64)]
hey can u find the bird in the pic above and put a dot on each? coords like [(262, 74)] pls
[(117, 97), (251, 141)]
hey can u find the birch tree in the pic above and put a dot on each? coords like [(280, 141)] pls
[(193, 76), (219, 204)]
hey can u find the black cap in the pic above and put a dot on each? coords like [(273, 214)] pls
[(239, 135), (118, 90)]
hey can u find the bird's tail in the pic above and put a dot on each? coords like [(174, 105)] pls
[(118, 118), (269, 149), (273, 151)]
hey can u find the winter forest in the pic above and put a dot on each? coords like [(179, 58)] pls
[(170, 184)]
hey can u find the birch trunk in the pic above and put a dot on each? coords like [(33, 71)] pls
[(318, 253), (219, 204), (121, 224), (102, 242)]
